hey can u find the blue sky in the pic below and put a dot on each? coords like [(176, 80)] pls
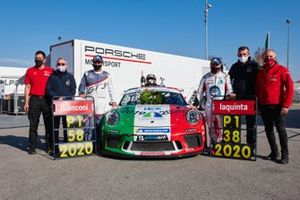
[(170, 26)]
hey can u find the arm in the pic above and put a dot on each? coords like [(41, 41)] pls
[(73, 85), (27, 92), (50, 90), (289, 92), (82, 86), (231, 73), (201, 89), (228, 88), (111, 92)]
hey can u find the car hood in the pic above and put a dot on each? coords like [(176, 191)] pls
[(152, 115)]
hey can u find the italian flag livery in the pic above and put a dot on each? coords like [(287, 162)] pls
[(152, 130)]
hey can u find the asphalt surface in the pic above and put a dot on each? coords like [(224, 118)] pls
[(24, 176)]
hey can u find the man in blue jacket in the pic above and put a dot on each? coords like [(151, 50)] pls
[(61, 85)]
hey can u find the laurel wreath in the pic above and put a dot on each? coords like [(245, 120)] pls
[(151, 97)]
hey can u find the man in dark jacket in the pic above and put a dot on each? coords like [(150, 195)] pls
[(243, 74), (61, 85)]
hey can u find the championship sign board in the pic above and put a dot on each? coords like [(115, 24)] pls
[(234, 144), (79, 128)]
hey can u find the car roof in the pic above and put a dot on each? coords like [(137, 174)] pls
[(156, 88)]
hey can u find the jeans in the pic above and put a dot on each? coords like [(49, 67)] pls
[(271, 114), (38, 105)]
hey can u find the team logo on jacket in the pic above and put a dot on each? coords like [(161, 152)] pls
[(220, 82), (68, 83), (215, 91)]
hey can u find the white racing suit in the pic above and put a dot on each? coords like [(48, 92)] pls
[(99, 86), (214, 86)]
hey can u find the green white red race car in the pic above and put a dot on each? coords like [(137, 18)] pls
[(152, 122)]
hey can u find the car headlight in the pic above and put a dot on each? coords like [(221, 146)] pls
[(192, 117), (113, 118)]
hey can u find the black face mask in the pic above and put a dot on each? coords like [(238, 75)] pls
[(214, 70), (38, 63), (97, 67)]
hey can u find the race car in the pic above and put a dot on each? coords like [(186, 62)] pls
[(152, 122)]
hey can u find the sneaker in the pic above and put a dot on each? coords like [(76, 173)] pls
[(273, 156), (31, 151)]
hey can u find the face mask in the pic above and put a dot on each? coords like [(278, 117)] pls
[(243, 59), (215, 70), (38, 63), (97, 67), (61, 68), (269, 62)]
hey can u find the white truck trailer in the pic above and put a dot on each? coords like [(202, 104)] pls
[(9, 76), (12, 89), (126, 64)]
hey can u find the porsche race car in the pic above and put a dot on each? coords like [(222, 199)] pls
[(152, 122)]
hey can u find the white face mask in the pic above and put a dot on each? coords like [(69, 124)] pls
[(243, 59), (61, 68)]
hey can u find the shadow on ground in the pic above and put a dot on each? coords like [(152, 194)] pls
[(19, 142)]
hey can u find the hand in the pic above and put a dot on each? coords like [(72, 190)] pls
[(232, 96), (26, 107), (114, 104), (193, 107), (284, 111), (60, 98)]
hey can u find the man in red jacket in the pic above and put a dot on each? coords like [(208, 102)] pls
[(274, 90)]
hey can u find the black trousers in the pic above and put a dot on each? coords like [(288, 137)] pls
[(56, 126), (251, 136), (271, 115), (37, 106), (250, 120)]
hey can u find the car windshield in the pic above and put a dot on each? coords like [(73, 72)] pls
[(153, 97)]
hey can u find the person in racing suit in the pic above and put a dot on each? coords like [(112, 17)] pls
[(214, 85), (98, 84)]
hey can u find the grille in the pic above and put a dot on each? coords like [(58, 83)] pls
[(192, 140), (126, 145), (152, 146), (113, 141)]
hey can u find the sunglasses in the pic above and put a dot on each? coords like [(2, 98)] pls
[(60, 64), (215, 64)]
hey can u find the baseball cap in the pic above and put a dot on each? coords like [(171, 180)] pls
[(97, 58), (216, 60)]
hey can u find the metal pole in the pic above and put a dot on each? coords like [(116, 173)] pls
[(206, 28), (206, 7), (288, 21)]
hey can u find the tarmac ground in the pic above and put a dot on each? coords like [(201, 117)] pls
[(24, 176)]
